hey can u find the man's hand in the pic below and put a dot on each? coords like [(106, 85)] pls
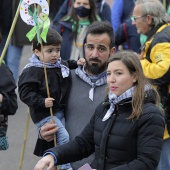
[(47, 131), (48, 161)]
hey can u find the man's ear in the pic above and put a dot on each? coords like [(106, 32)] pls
[(37, 52), (149, 19), (113, 49)]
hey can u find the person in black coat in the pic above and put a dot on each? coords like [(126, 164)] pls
[(8, 101), (121, 132), (8, 97)]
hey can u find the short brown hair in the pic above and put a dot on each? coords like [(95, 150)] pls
[(53, 38)]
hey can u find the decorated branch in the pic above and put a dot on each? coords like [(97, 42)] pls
[(39, 21)]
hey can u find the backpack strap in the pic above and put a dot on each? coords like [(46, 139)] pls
[(61, 30), (69, 3), (125, 33)]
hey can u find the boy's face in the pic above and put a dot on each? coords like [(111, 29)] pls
[(51, 53)]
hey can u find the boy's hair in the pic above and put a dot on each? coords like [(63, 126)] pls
[(53, 38)]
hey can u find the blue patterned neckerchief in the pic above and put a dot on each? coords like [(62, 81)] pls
[(113, 99), (96, 81), (34, 61)]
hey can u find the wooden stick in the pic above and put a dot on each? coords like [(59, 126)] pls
[(10, 33), (48, 2), (25, 140), (46, 83), (48, 91), (48, 94)]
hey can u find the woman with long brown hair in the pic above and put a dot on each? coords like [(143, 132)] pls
[(126, 130)]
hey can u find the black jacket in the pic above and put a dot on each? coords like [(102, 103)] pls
[(32, 90), (9, 104), (118, 143)]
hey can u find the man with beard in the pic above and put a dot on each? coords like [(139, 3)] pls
[(87, 88)]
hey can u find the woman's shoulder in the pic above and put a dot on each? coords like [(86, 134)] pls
[(151, 121), (151, 113), (151, 107)]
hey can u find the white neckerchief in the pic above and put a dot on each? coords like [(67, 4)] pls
[(100, 79), (34, 61), (113, 99)]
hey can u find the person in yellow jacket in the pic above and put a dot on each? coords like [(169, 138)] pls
[(151, 19)]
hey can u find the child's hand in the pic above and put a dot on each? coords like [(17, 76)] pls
[(49, 102), (81, 62)]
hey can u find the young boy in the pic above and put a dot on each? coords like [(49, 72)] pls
[(32, 85)]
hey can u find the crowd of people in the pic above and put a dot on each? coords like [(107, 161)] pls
[(106, 83)]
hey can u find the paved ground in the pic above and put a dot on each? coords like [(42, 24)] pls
[(10, 159)]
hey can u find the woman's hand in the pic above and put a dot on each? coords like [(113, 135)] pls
[(48, 161), (47, 131)]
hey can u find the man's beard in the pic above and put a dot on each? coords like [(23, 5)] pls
[(94, 68)]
